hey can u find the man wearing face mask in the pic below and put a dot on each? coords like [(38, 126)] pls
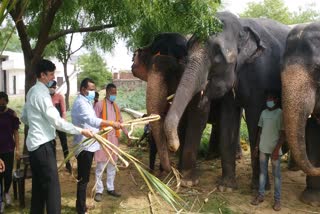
[(108, 109), (9, 145), (59, 103), (43, 119), (83, 115), (270, 139)]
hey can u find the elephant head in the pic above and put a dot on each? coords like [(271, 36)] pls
[(300, 78), (161, 64), (212, 68)]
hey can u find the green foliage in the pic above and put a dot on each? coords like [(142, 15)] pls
[(244, 136), (184, 16), (276, 9), (134, 99), (216, 204), (205, 140), (9, 40), (93, 66)]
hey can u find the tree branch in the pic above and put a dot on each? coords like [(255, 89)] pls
[(50, 9), (79, 30), (16, 14)]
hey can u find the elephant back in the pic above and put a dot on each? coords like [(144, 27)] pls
[(170, 44)]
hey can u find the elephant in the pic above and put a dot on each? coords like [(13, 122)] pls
[(236, 66), (300, 78), (161, 65)]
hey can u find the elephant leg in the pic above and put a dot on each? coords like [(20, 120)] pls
[(292, 164), (214, 148), (197, 119), (229, 135), (252, 114), (311, 194)]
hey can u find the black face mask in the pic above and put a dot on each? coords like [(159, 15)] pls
[(2, 108)]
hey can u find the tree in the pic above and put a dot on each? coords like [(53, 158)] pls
[(9, 40), (93, 66), (42, 22), (276, 10), (61, 49)]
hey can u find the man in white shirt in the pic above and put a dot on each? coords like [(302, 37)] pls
[(43, 119), (83, 115)]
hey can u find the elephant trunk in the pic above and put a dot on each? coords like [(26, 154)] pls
[(191, 83), (298, 101), (157, 104)]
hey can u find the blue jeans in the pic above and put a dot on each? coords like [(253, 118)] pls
[(276, 172)]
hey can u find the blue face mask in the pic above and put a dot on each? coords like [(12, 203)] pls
[(112, 98), (270, 104), (91, 95), (50, 83)]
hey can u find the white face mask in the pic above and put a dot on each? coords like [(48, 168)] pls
[(270, 104), (52, 91)]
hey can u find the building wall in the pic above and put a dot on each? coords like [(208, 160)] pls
[(15, 72), (131, 84)]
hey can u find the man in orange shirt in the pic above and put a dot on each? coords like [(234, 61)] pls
[(107, 109), (59, 103)]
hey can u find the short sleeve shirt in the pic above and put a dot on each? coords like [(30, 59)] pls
[(271, 125)]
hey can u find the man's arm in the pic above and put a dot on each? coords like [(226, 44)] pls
[(2, 166), (16, 140), (63, 106), (275, 153), (24, 116), (256, 149)]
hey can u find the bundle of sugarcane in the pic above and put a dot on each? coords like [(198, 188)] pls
[(154, 184)]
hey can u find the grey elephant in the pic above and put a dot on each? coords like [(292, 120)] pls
[(300, 98), (236, 67), (161, 64)]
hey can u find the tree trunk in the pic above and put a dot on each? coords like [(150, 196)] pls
[(65, 70)]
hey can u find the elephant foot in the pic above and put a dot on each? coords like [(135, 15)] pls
[(311, 197), (227, 184), (189, 178)]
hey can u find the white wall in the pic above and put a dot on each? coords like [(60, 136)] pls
[(14, 66)]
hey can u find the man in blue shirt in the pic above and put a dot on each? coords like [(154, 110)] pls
[(43, 119), (83, 115)]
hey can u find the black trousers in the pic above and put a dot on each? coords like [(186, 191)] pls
[(45, 180), (64, 144), (84, 160), (6, 176)]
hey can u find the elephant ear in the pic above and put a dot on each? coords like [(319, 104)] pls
[(250, 46)]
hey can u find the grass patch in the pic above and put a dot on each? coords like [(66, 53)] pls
[(216, 205)]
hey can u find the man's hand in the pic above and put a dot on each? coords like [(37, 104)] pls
[(275, 154), (116, 125), (2, 166), (87, 133)]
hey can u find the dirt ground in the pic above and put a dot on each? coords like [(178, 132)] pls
[(201, 199)]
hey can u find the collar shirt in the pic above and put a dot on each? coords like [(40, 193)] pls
[(43, 118), (83, 115)]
